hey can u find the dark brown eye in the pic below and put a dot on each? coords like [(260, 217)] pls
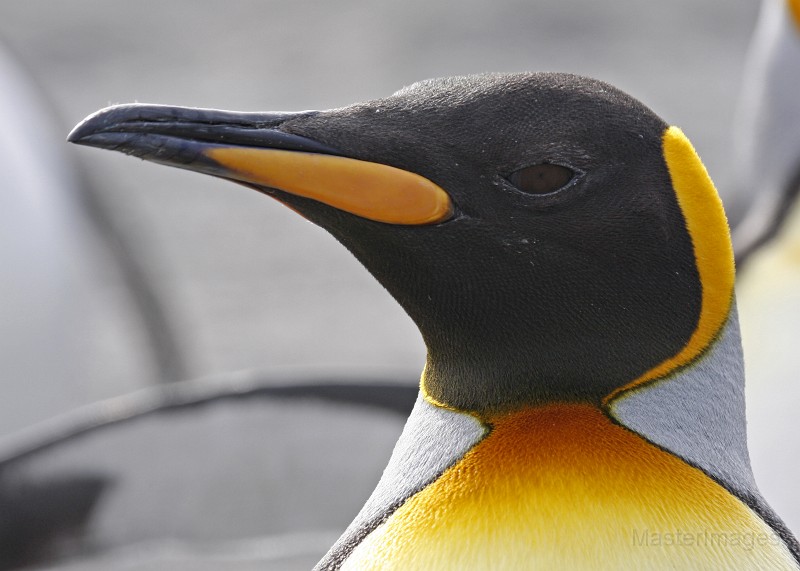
[(541, 179)]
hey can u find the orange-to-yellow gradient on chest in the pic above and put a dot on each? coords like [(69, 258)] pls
[(563, 487)]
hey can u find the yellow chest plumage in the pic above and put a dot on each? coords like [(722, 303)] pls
[(563, 487)]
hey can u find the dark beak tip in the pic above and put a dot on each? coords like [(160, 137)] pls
[(92, 124), (100, 120), (77, 134)]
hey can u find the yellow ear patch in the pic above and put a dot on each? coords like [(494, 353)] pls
[(708, 229)]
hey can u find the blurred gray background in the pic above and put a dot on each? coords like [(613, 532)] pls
[(244, 283)]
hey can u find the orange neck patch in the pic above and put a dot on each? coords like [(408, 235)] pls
[(563, 487), (708, 228)]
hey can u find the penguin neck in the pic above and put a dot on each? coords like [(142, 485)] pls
[(486, 377), (678, 429), (494, 365), (698, 411), (695, 411)]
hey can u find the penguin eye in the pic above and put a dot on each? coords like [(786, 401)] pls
[(541, 179)]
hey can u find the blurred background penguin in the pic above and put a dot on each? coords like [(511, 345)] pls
[(764, 191)]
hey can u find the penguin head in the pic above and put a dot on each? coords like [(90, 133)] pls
[(552, 238)]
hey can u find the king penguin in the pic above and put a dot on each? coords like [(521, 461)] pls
[(568, 263)]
